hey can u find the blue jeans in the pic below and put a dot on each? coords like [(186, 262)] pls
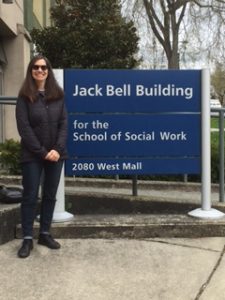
[(31, 173)]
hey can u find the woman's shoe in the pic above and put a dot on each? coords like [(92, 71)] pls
[(25, 249), (48, 241)]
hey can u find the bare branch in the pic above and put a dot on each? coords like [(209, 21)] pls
[(168, 18)]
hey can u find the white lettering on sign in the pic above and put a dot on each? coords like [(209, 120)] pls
[(80, 125), (170, 136), (125, 90), (105, 166), (168, 90), (157, 90), (84, 91), (132, 166), (143, 136), (86, 137), (83, 167)]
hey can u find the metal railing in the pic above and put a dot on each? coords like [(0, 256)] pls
[(8, 100), (217, 112)]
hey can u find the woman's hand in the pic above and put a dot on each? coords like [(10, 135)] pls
[(52, 155)]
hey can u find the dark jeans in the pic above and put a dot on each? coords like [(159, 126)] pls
[(31, 173)]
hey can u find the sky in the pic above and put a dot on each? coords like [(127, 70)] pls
[(196, 42)]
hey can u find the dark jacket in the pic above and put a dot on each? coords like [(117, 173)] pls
[(42, 126)]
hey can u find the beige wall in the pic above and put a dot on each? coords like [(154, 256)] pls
[(18, 53), (11, 14), (38, 9), (48, 21), (16, 45)]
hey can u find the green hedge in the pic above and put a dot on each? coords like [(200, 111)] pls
[(10, 157), (215, 157)]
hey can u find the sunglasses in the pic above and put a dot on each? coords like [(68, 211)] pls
[(37, 67)]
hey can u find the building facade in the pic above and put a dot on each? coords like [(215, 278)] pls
[(17, 18)]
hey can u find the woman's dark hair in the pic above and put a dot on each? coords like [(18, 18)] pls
[(29, 89)]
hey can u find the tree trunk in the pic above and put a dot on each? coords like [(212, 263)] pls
[(172, 55), (173, 60)]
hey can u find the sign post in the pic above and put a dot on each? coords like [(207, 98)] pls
[(60, 214), (206, 211)]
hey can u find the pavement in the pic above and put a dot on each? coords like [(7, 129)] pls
[(112, 268), (116, 269)]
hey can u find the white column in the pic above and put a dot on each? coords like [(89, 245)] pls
[(60, 215), (205, 211)]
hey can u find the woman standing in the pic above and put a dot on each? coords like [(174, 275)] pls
[(42, 125)]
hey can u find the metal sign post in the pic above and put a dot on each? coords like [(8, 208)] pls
[(60, 215), (206, 212)]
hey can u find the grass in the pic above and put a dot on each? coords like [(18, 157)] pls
[(214, 122)]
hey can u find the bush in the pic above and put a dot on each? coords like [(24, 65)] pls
[(215, 157), (10, 157)]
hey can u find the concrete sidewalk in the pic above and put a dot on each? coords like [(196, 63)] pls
[(155, 268), (116, 269)]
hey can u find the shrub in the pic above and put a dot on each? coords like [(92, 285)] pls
[(215, 157), (10, 156)]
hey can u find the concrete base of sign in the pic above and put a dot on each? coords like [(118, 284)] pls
[(206, 214), (62, 217)]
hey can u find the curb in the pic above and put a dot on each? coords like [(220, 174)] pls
[(134, 226)]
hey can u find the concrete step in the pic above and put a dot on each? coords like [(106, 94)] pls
[(134, 226), (9, 218), (99, 202), (107, 209)]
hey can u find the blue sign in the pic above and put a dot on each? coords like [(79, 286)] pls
[(100, 135), (133, 90), (133, 166), (133, 121)]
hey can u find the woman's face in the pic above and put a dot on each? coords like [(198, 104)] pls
[(40, 71)]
